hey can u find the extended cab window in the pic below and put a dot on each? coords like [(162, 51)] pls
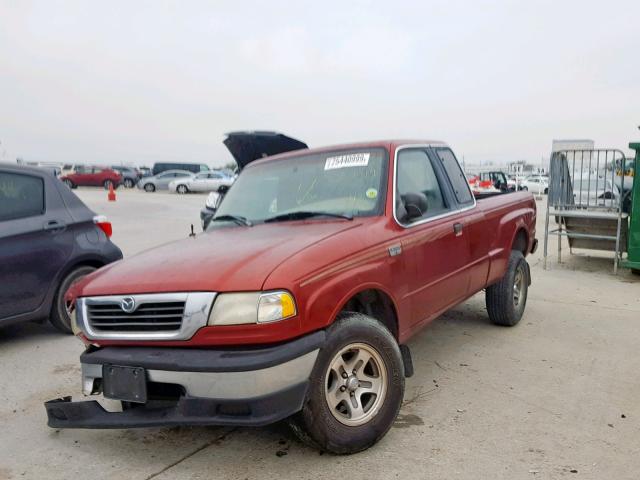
[(454, 172), (418, 189), (21, 196)]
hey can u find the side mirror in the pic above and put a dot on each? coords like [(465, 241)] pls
[(223, 189), (213, 201), (415, 204)]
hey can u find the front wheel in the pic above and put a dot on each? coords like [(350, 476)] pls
[(62, 309), (524, 188), (108, 184), (182, 189), (506, 299), (69, 183), (149, 187), (356, 387), (129, 183)]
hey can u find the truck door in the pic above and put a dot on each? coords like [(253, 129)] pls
[(34, 241), (475, 224), (434, 240)]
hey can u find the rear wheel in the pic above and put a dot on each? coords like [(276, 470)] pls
[(356, 387), (149, 187), (61, 311), (506, 299), (107, 184), (182, 189), (635, 271), (524, 188), (129, 183), (546, 191)]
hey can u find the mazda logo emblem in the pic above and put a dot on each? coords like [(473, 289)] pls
[(128, 304)]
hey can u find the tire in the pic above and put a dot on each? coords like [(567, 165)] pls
[(524, 188), (339, 429), (635, 271), (503, 306), (69, 183), (60, 316), (182, 189), (107, 183), (149, 187), (129, 183), (546, 191)]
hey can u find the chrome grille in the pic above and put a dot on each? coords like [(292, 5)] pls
[(147, 317)]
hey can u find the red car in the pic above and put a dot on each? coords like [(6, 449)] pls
[(299, 299), (92, 176)]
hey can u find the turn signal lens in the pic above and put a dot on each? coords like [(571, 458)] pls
[(274, 306)]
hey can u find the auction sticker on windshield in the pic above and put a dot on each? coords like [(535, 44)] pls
[(345, 161)]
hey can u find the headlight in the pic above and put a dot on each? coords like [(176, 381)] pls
[(275, 306), (251, 308)]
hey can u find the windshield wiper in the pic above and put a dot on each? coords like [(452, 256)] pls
[(233, 218), (301, 215)]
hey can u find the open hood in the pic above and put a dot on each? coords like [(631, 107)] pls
[(249, 146)]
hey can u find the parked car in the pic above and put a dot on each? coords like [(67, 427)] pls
[(299, 300), (49, 240), (594, 191), (67, 168), (498, 180), (162, 180), (130, 175), (189, 167), (537, 184), (145, 172), (92, 176), (201, 182)]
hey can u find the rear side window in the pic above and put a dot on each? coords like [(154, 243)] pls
[(457, 178), (21, 196)]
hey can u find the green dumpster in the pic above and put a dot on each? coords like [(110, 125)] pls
[(633, 249)]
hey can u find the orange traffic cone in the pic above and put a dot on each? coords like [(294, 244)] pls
[(111, 196)]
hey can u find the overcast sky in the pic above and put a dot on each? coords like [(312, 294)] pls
[(132, 81)]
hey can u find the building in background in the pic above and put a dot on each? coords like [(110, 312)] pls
[(558, 145)]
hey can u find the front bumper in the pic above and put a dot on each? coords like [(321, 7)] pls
[(251, 386)]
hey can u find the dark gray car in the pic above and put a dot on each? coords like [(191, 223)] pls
[(49, 240), (130, 175)]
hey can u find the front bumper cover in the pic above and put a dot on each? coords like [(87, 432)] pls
[(249, 387)]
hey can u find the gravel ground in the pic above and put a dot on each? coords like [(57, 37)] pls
[(554, 397)]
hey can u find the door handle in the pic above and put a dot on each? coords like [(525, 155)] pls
[(457, 229), (54, 226)]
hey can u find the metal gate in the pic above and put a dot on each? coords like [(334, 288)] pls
[(587, 199)]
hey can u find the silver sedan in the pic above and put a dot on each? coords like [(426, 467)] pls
[(201, 182), (161, 180)]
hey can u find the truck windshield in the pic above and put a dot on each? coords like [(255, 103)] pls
[(346, 183)]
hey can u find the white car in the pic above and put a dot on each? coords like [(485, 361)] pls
[(536, 184), (201, 182), (595, 191)]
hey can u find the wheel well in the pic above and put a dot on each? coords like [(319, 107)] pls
[(521, 241), (376, 304)]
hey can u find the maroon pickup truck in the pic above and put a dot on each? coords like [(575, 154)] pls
[(298, 301)]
